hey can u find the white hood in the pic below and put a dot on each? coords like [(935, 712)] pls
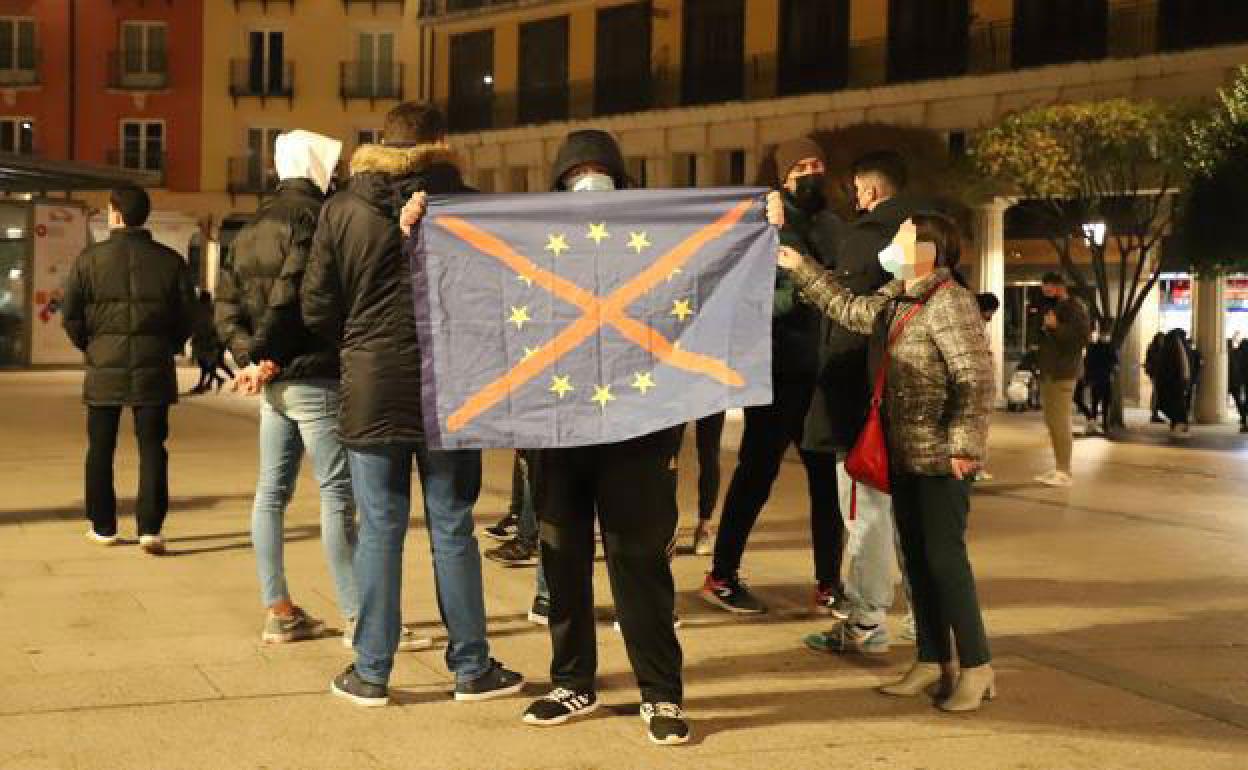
[(305, 155)]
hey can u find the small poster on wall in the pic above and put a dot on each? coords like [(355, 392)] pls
[(60, 235)]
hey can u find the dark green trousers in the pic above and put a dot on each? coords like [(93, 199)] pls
[(931, 516)]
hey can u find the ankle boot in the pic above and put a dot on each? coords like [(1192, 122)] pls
[(934, 678), (975, 685)]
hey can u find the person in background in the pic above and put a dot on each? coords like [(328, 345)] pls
[(1174, 380), (708, 436), (129, 306), (357, 295), (988, 305), (812, 228), (1063, 337), (1152, 368), (1197, 367), (1237, 376), (938, 395), (518, 529), (505, 529), (206, 347), (1099, 365)]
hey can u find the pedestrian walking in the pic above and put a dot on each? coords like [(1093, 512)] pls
[(1063, 337), (207, 348), (129, 305), (810, 226), (1100, 362), (1152, 368), (1174, 381), (357, 294), (1237, 376), (927, 342)]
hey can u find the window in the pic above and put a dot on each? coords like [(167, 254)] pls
[(638, 171), (731, 167), (17, 51), (814, 46), (543, 71), (144, 53), (376, 75), (1055, 31), (927, 39), (17, 135), (143, 144), (622, 79), (472, 81), (266, 63), (684, 170), (486, 180), (519, 179), (714, 51), (261, 174), (367, 136), (1196, 23)]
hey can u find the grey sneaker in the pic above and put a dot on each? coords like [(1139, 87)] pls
[(847, 637), (296, 628)]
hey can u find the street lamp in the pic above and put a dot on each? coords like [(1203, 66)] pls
[(1094, 232)]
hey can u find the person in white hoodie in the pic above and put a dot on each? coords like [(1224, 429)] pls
[(258, 317)]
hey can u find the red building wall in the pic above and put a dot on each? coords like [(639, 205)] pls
[(100, 108)]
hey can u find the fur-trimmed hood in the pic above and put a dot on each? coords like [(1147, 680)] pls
[(401, 161)]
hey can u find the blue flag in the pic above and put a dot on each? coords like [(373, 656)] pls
[(568, 319)]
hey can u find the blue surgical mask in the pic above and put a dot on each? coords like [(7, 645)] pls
[(593, 182), (892, 258)]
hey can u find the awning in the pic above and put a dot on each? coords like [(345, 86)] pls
[(27, 174)]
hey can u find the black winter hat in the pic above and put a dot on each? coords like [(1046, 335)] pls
[(589, 146)]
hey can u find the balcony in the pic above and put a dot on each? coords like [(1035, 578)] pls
[(347, 4), (250, 175), (430, 9), (21, 69), (262, 80), (127, 73), (370, 80), (150, 166)]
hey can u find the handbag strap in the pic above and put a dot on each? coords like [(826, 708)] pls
[(877, 395)]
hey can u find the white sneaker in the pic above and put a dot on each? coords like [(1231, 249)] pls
[(1056, 479), (152, 544), (95, 537)]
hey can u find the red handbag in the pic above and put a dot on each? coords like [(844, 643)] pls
[(867, 462)]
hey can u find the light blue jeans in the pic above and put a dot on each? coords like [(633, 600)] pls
[(870, 550), (450, 482), (293, 416)]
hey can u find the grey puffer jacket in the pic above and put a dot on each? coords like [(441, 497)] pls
[(939, 388)]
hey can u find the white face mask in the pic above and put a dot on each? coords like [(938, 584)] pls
[(593, 182)]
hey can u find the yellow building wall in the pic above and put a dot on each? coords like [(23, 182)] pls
[(987, 11)]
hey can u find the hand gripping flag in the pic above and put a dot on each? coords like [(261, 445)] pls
[(568, 319)]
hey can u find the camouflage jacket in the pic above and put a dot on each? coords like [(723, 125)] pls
[(939, 389)]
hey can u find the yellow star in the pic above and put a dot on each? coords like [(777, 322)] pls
[(643, 381), (527, 281), (602, 395), (530, 352), (681, 309), (637, 241), (598, 233), (557, 243), (519, 316), (561, 386)]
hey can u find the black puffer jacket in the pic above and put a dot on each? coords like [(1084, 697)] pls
[(839, 408), (794, 324), (129, 304), (257, 308), (358, 289)]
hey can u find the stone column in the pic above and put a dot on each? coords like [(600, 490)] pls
[(1210, 338), (990, 276)]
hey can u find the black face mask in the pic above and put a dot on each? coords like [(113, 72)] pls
[(809, 194)]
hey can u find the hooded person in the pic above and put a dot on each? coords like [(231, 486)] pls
[(259, 319), (629, 487), (357, 294), (811, 229)]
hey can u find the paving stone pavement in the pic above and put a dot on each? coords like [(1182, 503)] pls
[(1118, 612)]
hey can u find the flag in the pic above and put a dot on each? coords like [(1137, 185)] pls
[(569, 319)]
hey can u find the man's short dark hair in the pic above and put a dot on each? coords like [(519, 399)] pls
[(132, 203), (988, 302), (885, 163), (1052, 278), (413, 123)]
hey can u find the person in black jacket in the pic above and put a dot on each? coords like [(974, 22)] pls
[(128, 307), (770, 429), (258, 316), (357, 294), (206, 347), (1237, 376)]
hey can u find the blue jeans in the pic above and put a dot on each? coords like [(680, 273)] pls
[(526, 525), (293, 416), (451, 483)]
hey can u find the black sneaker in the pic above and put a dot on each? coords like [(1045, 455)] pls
[(731, 594), (539, 614), (558, 706), (517, 553), (349, 685), (505, 529), (495, 683), (666, 723)]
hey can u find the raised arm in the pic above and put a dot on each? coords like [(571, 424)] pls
[(819, 288)]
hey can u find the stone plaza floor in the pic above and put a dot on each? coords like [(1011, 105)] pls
[(1118, 612)]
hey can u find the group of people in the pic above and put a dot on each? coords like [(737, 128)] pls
[(315, 304)]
